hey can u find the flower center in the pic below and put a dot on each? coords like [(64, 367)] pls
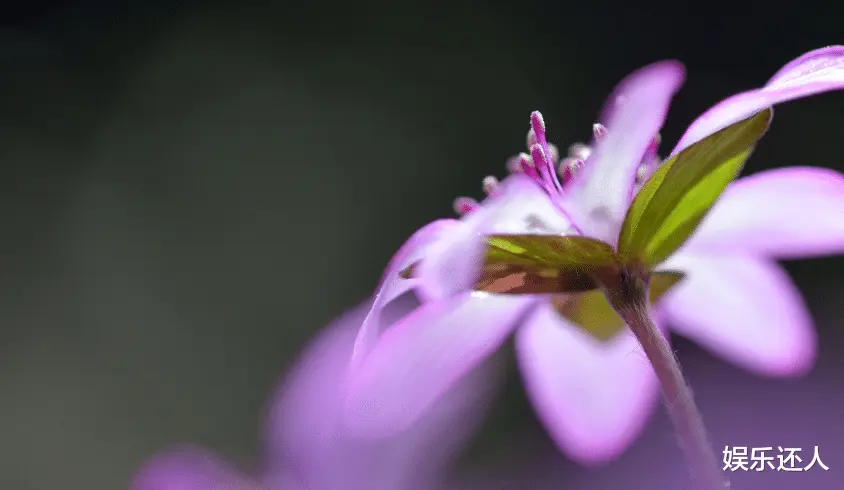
[(542, 163)]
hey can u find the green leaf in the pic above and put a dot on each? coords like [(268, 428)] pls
[(592, 312), (532, 264), (676, 198)]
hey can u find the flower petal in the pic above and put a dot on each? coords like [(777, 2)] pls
[(452, 264), (305, 429), (424, 355), (189, 468), (819, 65), (786, 213), (745, 310), (600, 192), (393, 286), (815, 72), (592, 396)]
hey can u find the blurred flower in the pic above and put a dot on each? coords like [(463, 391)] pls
[(306, 447), (595, 396)]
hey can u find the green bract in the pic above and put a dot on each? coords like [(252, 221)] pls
[(674, 201), (530, 264), (593, 313)]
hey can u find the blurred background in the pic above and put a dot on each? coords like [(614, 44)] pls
[(190, 190)]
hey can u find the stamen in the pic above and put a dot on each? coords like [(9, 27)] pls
[(465, 205), (553, 153), (540, 161), (514, 165), (537, 123), (531, 139), (541, 154), (642, 173), (580, 151), (599, 131), (568, 167), (527, 166), (490, 185)]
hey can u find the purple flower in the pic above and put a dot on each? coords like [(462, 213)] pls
[(594, 396), (306, 446)]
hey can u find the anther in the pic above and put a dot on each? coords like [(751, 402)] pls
[(530, 139), (642, 173), (526, 162), (599, 131), (538, 155), (580, 151), (514, 165), (490, 185), (528, 167), (553, 153), (465, 205), (537, 122), (568, 167)]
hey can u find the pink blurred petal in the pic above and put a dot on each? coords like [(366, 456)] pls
[(452, 264), (745, 310), (815, 72), (189, 468), (393, 286), (598, 195), (593, 397), (305, 427), (424, 355), (787, 213)]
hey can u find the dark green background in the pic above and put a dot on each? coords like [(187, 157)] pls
[(187, 193)]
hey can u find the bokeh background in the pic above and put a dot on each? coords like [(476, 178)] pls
[(189, 190)]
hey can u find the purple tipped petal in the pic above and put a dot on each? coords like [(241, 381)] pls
[(189, 468), (424, 355), (599, 194), (593, 397), (745, 310), (786, 213), (393, 286), (815, 72), (452, 264), (305, 426)]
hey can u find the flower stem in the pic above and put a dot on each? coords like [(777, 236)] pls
[(632, 305)]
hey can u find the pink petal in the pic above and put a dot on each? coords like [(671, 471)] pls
[(815, 72), (599, 194), (787, 213), (189, 468), (820, 65), (593, 397), (305, 427), (452, 264), (393, 286), (424, 355), (745, 310)]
